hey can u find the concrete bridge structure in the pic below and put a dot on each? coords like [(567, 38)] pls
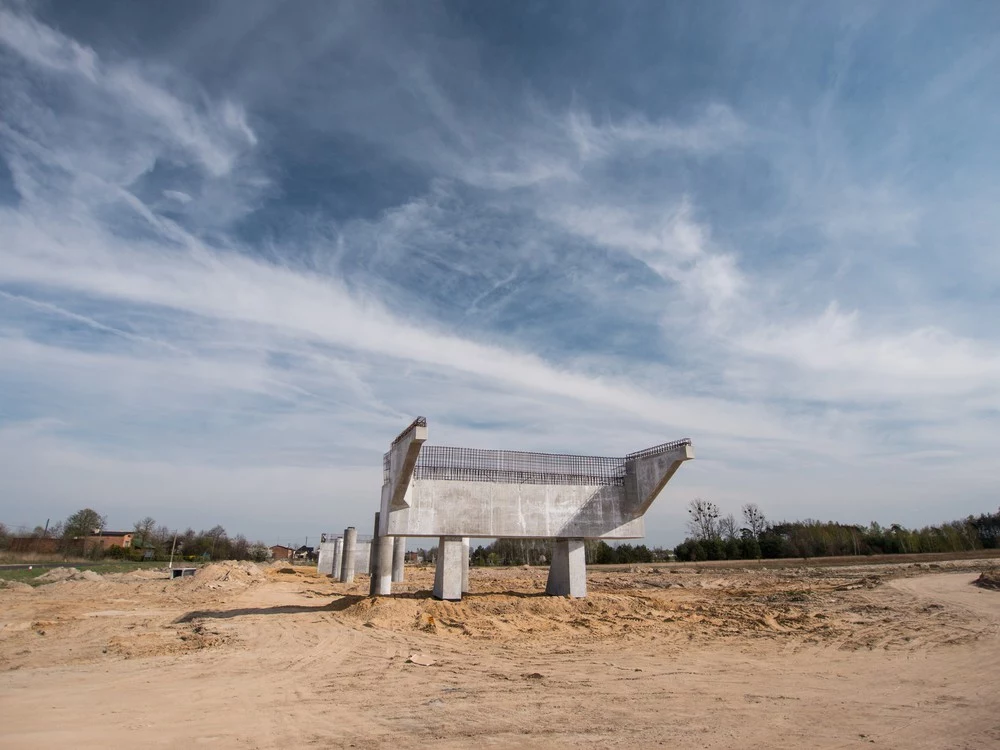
[(457, 493), (331, 555)]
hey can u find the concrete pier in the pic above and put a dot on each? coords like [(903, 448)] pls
[(350, 552), (378, 562), (373, 568), (363, 556), (465, 565), (382, 575), (338, 556), (568, 571), (326, 564), (398, 558), (448, 574)]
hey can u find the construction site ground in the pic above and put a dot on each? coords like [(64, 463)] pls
[(903, 655)]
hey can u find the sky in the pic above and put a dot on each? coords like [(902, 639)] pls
[(243, 244)]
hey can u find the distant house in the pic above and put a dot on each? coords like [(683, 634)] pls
[(107, 539), (41, 545), (305, 553), (279, 552), (47, 545)]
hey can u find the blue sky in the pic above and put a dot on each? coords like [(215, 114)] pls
[(242, 244)]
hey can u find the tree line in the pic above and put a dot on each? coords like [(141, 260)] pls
[(717, 537), (150, 540), (507, 552)]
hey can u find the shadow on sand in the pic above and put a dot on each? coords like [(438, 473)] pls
[(339, 604)]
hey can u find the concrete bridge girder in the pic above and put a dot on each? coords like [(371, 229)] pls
[(470, 500)]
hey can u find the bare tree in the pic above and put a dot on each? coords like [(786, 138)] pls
[(728, 527), (704, 521), (162, 536), (144, 530), (755, 519)]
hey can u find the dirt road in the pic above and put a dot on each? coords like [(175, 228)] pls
[(835, 658)]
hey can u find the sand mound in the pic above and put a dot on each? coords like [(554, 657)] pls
[(833, 607), (225, 575), (989, 580), (506, 616), (58, 575), (16, 586), (146, 574)]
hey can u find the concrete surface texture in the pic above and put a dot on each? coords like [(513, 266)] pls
[(448, 573), (363, 556), (338, 556), (373, 583), (568, 571), (382, 568), (398, 558), (327, 555), (350, 552), (465, 564)]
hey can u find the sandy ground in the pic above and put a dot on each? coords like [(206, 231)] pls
[(904, 656)]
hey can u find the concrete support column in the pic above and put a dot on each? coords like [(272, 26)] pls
[(338, 556), (373, 561), (350, 552), (448, 574), (364, 562), (398, 558), (465, 565), (381, 565), (384, 577), (568, 571)]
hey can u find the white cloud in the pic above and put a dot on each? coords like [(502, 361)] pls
[(716, 129), (177, 195), (669, 240), (233, 288), (928, 359), (214, 135)]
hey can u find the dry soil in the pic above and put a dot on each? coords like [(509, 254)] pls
[(240, 656)]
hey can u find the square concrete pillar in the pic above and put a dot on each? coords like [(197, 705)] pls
[(568, 571), (398, 558), (465, 565), (384, 566), (381, 568), (448, 574)]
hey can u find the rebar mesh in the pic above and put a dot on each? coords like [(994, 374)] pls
[(332, 536), (516, 467), (519, 467), (656, 450)]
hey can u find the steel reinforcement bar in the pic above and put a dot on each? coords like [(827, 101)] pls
[(520, 467)]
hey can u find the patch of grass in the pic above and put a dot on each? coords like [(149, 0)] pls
[(30, 576), (22, 576)]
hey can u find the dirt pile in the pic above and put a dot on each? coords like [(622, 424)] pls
[(224, 576), (16, 586), (989, 579), (796, 606), (59, 575), (146, 574)]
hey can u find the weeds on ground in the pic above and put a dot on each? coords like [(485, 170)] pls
[(30, 576)]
